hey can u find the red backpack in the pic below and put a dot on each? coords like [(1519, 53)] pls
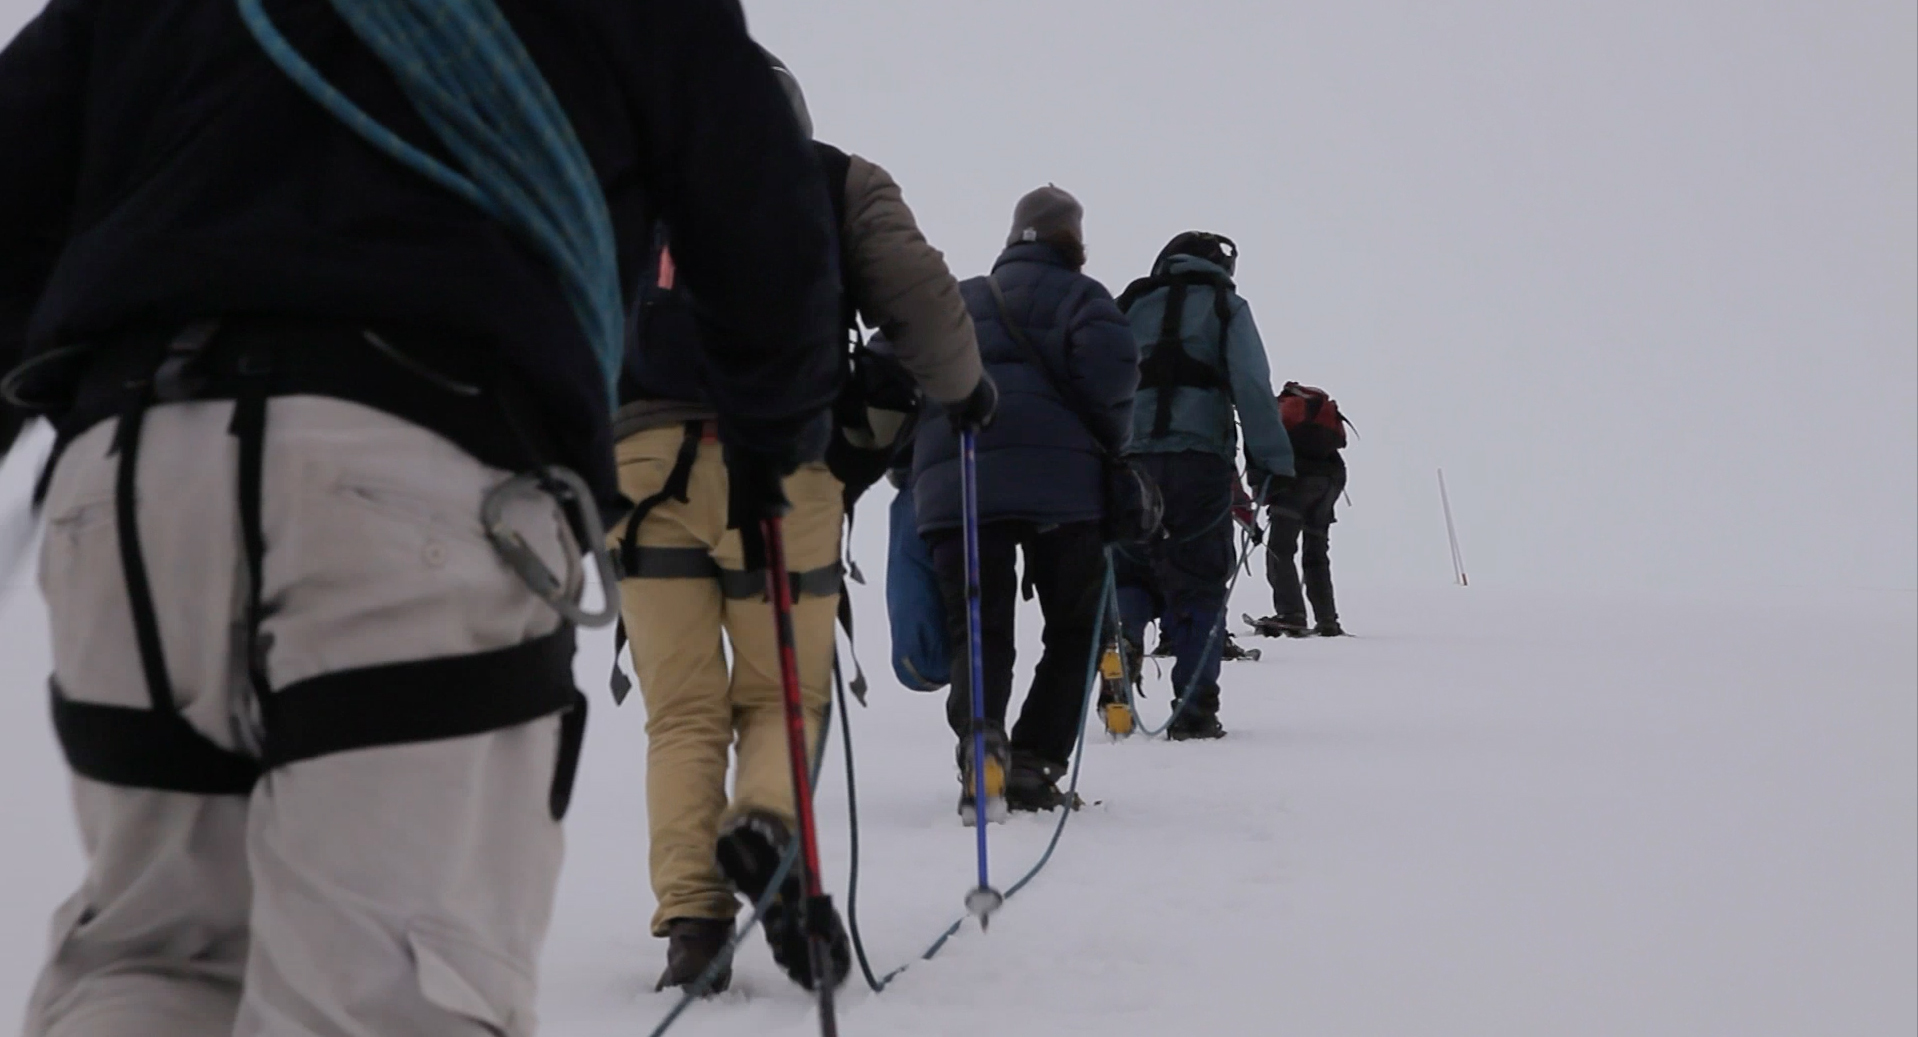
[(1312, 419)]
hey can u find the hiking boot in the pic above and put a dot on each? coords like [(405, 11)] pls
[(998, 763), (1330, 628), (1199, 719), (691, 946), (750, 849), (1194, 724), (1033, 784), (1281, 626), (1233, 653)]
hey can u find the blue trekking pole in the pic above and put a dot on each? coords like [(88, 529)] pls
[(984, 900)]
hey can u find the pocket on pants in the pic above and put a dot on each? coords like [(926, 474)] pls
[(459, 974)]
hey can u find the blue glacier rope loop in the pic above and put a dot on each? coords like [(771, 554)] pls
[(472, 81), (878, 984)]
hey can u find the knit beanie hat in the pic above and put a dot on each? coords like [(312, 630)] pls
[(1048, 214)]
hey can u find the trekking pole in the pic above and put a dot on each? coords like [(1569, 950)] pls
[(818, 907), (984, 899), (1451, 533)]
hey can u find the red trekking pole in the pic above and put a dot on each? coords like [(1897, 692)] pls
[(818, 906)]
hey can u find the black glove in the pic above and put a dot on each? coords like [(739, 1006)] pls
[(976, 410), (1271, 489), (756, 492)]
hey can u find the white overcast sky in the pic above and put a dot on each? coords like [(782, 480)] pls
[(1641, 275)]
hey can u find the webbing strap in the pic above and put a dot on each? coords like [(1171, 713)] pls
[(694, 563), (248, 426), (674, 489), (1170, 368), (1166, 353), (146, 624), (156, 747)]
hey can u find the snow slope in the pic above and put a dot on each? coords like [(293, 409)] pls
[(1493, 813)]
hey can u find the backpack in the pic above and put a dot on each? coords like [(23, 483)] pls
[(877, 396), (1170, 368), (921, 658), (1313, 421), (878, 400)]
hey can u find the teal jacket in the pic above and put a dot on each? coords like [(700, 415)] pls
[(1202, 419)]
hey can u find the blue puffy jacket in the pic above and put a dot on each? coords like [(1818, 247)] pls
[(1202, 419), (1038, 462)]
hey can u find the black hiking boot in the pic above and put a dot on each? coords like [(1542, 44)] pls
[(998, 763), (1196, 720), (1033, 784), (1281, 626), (691, 946), (1194, 725), (1232, 653), (1330, 628), (750, 848)]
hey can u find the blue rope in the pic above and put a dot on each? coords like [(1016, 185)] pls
[(470, 78), (1183, 701), (880, 984)]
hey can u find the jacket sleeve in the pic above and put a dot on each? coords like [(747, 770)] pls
[(751, 223), (42, 104), (1103, 359), (902, 286), (1267, 447)]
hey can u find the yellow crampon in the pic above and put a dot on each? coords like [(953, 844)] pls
[(995, 778), (1117, 715)]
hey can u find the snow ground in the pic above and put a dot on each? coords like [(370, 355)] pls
[(1494, 813)]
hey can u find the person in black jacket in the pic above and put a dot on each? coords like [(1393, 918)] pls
[(291, 379), (1040, 489)]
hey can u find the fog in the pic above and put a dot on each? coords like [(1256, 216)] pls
[(1642, 277)]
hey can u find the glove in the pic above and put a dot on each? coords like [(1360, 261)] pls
[(976, 410), (1272, 489), (756, 491)]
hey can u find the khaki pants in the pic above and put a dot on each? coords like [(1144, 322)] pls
[(697, 710), (373, 893)]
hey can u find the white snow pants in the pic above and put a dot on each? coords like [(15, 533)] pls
[(398, 891)]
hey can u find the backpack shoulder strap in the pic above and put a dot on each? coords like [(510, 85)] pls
[(1222, 292), (1169, 351), (1038, 360), (838, 168), (1137, 290)]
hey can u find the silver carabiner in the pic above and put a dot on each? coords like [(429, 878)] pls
[(564, 592)]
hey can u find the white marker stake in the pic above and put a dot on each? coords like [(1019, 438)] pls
[(1451, 533)]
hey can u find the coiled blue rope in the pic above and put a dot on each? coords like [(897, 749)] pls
[(471, 79)]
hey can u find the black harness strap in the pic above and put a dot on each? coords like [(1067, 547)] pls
[(1167, 365), (156, 747), (406, 702), (1170, 368), (248, 427), (626, 561)]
